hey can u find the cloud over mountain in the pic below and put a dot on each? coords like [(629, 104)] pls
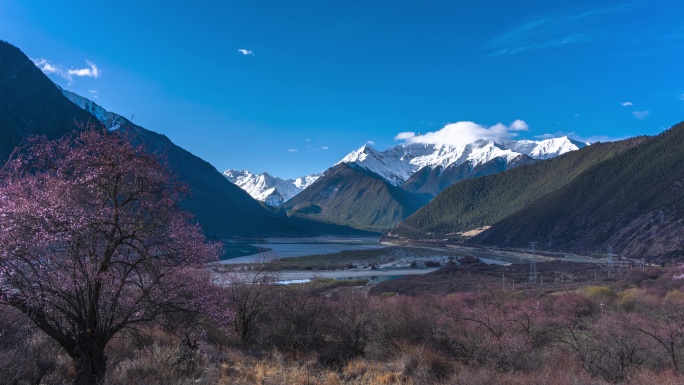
[(462, 133), (48, 68)]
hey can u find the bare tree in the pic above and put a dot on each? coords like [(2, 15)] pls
[(250, 295)]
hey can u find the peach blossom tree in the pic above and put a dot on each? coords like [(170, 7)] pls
[(93, 242)]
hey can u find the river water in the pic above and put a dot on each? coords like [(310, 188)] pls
[(274, 248)]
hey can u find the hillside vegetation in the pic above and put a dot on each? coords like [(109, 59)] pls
[(633, 201), (484, 201), (350, 195)]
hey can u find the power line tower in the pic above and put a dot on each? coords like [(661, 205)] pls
[(611, 262), (533, 263)]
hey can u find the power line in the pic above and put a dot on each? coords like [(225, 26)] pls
[(533, 263)]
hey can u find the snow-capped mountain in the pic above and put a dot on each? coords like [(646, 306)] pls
[(269, 189), (109, 119), (398, 163)]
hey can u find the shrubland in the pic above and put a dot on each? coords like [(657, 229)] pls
[(630, 330)]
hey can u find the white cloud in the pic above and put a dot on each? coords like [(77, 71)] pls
[(92, 71), (94, 93), (405, 136), (462, 133), (519, 125), (558, 134), (292, 150), (325, 148), (49, 68), (46, 66), (370, 143), (246, 52), (640, 114), (626, 104)]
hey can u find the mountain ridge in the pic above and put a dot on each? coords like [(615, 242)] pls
[(347, 194), (271, 190), (220, 206), (28, 104), (399, 163), (31, 104), (479, 202), (633, 203)]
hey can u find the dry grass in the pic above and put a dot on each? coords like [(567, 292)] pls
[(158, 363), (467, 338)]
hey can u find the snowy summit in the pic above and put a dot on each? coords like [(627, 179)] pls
[(269, 189), (398, 163)]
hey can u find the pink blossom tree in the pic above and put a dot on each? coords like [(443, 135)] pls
[(92, 242)]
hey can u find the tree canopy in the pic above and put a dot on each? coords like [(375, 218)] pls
[(92, 241)]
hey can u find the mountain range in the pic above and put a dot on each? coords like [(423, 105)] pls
[(31, 104), (422, 168), (375, 190), (626, 196), (399, 163), (482, 202), (632, 203), (269, 189)]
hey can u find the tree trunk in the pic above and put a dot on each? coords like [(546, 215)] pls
[(91, 364)]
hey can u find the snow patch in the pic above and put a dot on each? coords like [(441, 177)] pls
[(269, 189)]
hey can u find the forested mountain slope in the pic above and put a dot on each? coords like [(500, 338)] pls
[(632, 202), (484, 201), (347, 194)]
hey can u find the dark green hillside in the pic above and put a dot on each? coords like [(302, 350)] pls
[(30, 104), (633, 202), (484, 201), (352, 196)]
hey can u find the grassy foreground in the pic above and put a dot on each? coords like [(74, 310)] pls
[(626, 329)]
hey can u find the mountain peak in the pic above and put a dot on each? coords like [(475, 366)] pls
[(269, 189), (398, 163)]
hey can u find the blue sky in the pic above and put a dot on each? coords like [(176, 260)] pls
[(318, 79)]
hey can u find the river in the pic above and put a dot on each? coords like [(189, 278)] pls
[(274, 248)]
